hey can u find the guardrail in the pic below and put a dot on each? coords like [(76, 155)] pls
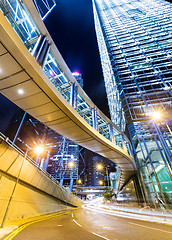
[(22, 22)]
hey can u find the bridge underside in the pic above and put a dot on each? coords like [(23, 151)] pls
[(40, 98)]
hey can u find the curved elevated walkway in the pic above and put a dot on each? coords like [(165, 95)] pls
[(36, 91)]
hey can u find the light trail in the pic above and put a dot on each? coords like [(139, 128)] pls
[(150, 227)]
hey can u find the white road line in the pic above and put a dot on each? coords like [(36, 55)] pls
[(76, 223), (72, 214), (91, 232), (100, 236), (150, 228), (59, 225)]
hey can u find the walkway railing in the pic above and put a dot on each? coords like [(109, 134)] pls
[(22, 22)]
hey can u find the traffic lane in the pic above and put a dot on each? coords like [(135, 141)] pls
[(84, 224), (62, 227), (119, 228)]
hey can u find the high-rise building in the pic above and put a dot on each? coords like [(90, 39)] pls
[(63, 164), (134, 38)]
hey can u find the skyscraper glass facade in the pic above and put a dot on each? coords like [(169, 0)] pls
[(135, 44)]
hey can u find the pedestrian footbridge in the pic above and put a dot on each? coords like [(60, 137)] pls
[(35, 77)]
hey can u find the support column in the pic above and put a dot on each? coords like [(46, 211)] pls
[(71, 184), (73, 96), (61, 181), (41, 50), (18, 130), (112, 137), (94, 116)]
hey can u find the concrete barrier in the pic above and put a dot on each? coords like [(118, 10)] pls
[(25, 189)]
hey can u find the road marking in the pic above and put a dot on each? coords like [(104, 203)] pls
[(14, 233), (100, 236), (91, 232), (72, 214), (150, 227), (59, 225), (76, 223)]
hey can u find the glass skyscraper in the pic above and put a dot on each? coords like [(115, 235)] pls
[(134, 38)]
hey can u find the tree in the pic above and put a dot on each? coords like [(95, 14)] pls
[(108, 194)]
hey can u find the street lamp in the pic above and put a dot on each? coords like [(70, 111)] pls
[(100, 167), (14, 188), (101, 182), (79, 181), (71, 164), (156, 115), (39, 149)]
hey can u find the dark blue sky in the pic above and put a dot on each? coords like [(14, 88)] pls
[(71, 26)]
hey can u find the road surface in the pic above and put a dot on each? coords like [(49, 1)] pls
[(85, 224)]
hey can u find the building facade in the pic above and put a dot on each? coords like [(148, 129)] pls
[(134, 38)]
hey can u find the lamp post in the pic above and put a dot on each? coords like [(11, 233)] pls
[(101, 182), (71, 166), (38, 149), (100, 167), (13, 191), (79, 181)]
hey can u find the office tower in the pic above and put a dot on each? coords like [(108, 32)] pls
[(63, 165), (44, 7), (134, 38)]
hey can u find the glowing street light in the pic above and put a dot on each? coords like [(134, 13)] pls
[(39, 149), (99, 167), (156, 115), (71, 164), (101, 182), (79, 181)]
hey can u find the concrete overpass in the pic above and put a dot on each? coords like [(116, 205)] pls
[(34, 76)]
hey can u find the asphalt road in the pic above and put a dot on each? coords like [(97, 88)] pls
[(84, 224)]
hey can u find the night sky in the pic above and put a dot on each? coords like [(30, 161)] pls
[(71, 25)]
